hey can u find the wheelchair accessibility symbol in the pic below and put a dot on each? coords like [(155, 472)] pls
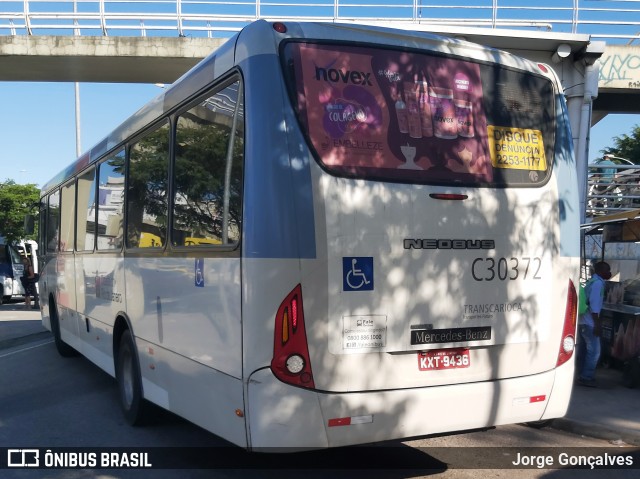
[(357, 273)]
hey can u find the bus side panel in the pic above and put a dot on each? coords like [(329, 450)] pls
[(100, 298), (278, 217), (198, 393), (94, 275), (558, 400), (566, 172), (185, 314), (170, 306), (44, 290), (59, 277), (278, 208)]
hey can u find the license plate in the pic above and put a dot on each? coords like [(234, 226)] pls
[(444, 359)]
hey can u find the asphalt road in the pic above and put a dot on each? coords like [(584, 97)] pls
[(50, 402)]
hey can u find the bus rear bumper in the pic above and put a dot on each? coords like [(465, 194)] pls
[(283, 417)]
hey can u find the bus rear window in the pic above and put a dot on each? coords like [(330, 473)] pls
[(405, 116)]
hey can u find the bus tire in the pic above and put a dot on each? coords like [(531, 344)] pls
[(63, 348), (540, 424), (134, 407)]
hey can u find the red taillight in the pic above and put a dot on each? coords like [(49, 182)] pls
[(294, 314), (290, 362), (568, 342)]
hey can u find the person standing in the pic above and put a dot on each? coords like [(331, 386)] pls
[(590, 326), (28, 282)]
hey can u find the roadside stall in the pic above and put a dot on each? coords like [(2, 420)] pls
[(616, 239)]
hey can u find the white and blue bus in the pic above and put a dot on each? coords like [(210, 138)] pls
[(10, 271), (11, 267), (326, 235)]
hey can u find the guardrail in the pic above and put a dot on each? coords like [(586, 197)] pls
[(609, 20), (612, 188)]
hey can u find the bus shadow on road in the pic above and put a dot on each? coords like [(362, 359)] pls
[(389, 461)]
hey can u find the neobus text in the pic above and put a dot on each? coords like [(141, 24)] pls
[(411, 243)]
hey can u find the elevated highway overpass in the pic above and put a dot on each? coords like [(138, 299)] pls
[(100, 59), (105, 59), (619, 82)]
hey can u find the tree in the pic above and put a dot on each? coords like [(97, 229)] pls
[(16, 202), (626, 146)]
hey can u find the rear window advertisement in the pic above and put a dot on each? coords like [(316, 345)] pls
[(404, 116)]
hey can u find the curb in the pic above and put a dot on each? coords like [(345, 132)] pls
[(598, 431)]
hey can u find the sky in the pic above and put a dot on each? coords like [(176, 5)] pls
[(37, 123)]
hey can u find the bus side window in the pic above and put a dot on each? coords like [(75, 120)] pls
[(110, 203), (86, 219), (207, 203), (53, 221), (147, 191), (42, 226), (67, 216)]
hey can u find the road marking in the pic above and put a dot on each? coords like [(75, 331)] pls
[(48, 341)]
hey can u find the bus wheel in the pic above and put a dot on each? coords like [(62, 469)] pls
[(133, 405), (63, 348), (540, 424)]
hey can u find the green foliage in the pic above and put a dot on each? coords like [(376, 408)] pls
[(199, 182), (148, 184), (16, 202), (201, 158), (626, 146)]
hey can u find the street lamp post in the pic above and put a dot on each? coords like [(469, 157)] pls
[(78, 145), (609, 156), (76, 32)]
